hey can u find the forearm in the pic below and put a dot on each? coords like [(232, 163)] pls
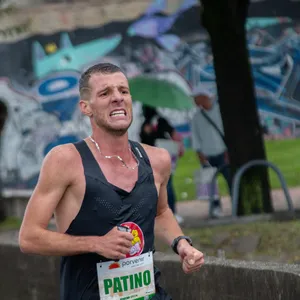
[(166, 227), (45, 242)]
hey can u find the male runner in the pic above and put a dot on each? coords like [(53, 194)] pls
[(109, 197)]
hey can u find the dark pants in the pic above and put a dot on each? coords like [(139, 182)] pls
[(171, 195), (218, 161), (161, 294)]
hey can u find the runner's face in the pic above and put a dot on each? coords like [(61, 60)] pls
[(110, 102)]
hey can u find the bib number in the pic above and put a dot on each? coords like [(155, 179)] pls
[(129, 278)]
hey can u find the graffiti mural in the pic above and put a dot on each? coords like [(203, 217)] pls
[(39, 76)]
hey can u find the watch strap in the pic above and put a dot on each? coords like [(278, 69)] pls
[(179, 238)]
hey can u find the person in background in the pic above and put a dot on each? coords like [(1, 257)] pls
[(207, 137), (137, 121), (156, 127)]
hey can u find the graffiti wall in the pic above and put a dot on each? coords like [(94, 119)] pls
[(43, 51)]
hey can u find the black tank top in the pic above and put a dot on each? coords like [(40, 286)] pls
[(105, 206)]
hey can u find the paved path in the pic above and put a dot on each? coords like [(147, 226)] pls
[(198, 208)]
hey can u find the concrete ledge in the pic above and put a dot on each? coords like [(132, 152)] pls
[(14, 193), (229, 279), (15, 201), (28, 277), (15, 207)]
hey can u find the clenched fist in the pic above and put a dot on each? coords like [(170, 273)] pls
[(115, 244), (191, 258)]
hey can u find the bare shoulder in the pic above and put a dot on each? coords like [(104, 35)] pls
[(62, 154), (160, 159), (61, 160)]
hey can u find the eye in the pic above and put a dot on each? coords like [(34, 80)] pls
[(125, 92), (103, 94)]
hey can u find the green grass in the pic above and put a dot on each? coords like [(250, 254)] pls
[(283, 153), (278, 241), (10, 223)]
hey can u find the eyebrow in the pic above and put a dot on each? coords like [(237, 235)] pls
[(124, 87), (102, 90), (109, 87)]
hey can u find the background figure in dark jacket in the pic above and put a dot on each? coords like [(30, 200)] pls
[(156, 127)]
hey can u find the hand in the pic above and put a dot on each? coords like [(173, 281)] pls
[(205, 163), (181, 150), (226, 157), (191, 258), (203, 159), (148, 128), (115, 244)]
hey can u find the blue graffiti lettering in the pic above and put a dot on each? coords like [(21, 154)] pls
[(60, 84), (59, 94)]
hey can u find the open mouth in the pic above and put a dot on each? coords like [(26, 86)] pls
[(118, 113)]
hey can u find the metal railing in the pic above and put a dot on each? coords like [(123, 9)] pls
[(237, 180), (247, 166)]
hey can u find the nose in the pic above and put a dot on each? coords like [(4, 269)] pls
[(117, 96)]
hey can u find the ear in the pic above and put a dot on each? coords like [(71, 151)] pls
[(85, 108)]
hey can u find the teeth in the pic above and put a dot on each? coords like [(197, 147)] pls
[(118, 113)]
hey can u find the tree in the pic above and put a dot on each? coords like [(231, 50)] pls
[(225, 22), (3, 117)]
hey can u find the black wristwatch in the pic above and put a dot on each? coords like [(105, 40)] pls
[(176, 241)]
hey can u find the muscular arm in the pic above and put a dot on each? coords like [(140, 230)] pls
[(166, 226), (55, 178)]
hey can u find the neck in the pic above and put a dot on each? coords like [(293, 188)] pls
[(112, 144)]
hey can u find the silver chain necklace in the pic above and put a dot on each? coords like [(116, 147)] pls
[(117, 156)]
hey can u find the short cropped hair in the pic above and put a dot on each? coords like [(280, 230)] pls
[(101, 68)]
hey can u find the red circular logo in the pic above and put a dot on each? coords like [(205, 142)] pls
[(138, 242)]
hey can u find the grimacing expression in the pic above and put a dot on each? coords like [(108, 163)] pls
[(110, 102)]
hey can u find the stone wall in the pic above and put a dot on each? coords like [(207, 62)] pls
[(29, 277), (15, 206)]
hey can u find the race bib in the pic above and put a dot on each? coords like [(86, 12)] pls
[(129, 278)]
